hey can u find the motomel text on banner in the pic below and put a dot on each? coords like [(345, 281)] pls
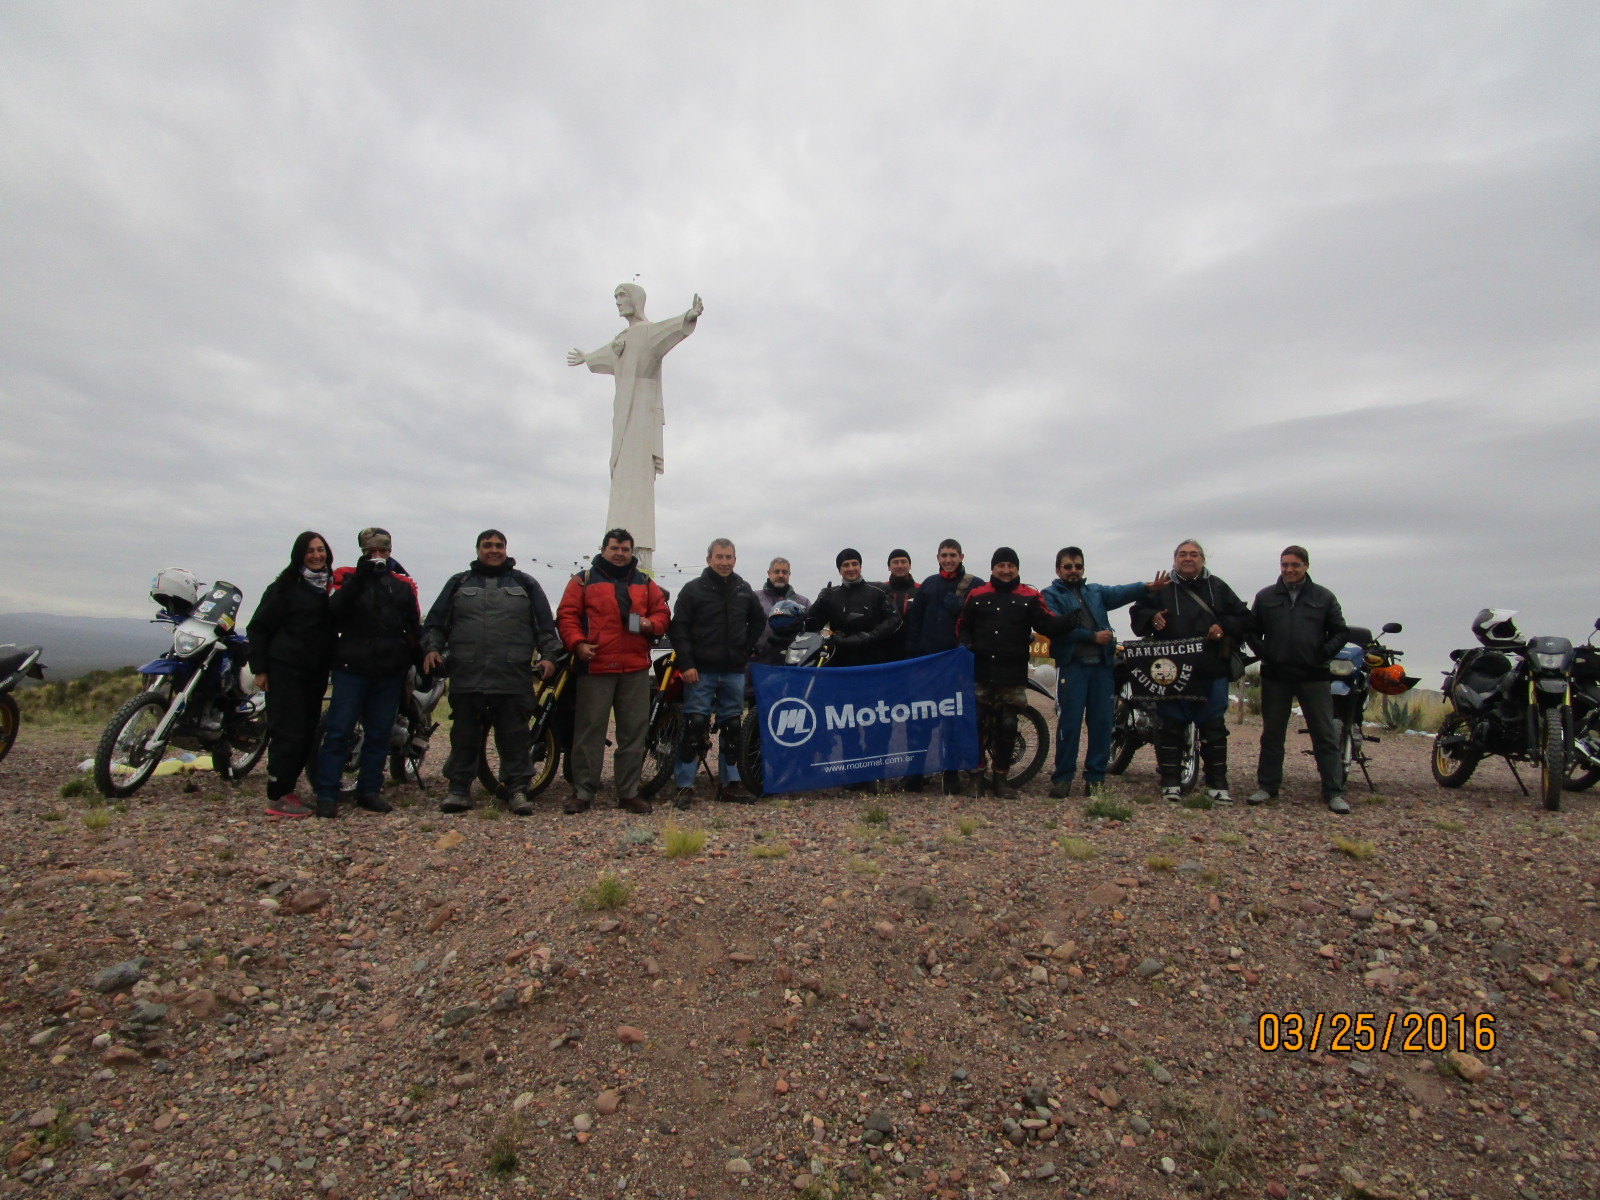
[(838, 725), (1164, 669)]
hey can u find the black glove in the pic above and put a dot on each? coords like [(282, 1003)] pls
[(365, 568)]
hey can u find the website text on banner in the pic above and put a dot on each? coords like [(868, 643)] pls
[(1164, 669), (833, 726)]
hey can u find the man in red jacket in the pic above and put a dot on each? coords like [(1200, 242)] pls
[(607, 618)]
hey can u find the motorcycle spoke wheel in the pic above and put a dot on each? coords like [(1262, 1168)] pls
[(1030, 749), (122, 763), (1581, 776), (661, 748), (750, 753), (1454, 760), (546, 757), (1190, 779), (242, 750), (489, 769), (1552, 761), (1124, 739), (10, 718)]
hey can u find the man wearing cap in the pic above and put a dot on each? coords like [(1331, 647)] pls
[(375, 614), (997, 624), (901, 588), (860, 614), (489, 624)]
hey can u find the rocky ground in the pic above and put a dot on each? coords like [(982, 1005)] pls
[(836, 996)]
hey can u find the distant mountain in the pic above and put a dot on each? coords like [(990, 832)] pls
[(76, 645)]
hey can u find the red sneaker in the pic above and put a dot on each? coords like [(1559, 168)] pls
[(287, 806)]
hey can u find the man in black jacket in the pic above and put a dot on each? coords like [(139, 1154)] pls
[(1296, 626), (375, 614), (931, 623), (859, 613), (714, 629), (901, 588), (997, 624), (1195, 604), (488, 625)]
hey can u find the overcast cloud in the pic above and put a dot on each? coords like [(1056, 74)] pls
[(1026, 274)]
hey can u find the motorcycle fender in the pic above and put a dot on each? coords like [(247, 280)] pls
[(162, 666), (1556, 686)]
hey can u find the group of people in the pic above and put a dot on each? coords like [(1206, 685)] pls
[(492, 630)]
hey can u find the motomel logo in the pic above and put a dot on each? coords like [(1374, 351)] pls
[(852, 716), (791, 721)]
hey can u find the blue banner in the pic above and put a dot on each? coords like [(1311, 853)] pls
[(831, 726)]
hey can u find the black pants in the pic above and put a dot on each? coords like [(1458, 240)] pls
[(294, 706), (1316, 705), (472, 716)]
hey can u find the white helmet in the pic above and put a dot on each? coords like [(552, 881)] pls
[(1495, 627), (175, 588)]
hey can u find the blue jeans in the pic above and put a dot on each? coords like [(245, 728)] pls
[(720, 693), (1197, 712), (1084, 690), (375, 704)]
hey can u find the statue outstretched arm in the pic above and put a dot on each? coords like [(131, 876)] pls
[(602, 361)]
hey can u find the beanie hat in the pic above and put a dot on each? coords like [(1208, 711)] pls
[(845, 556), (894, 554), (1004, 554), (373, 538)]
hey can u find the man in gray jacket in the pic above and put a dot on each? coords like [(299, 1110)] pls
[(488, 625)]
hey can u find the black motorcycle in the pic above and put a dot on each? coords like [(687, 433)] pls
[(1511, 698), (409, 737), (1583, 765), (1135, 723), (16, 664)]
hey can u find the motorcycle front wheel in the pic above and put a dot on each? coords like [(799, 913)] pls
[(750, 752), (1125, 740), (1190, 779), (122, 763), (661, 748), (1552, 760), (1031, 748), (1454, 759), (10, 718)]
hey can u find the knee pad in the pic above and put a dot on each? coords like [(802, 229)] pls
[(696, 737), (728, 738)]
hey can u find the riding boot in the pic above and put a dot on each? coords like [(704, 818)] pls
[(1213, 736), (1170, 745)]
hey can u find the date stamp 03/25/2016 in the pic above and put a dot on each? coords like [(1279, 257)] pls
[(1363, 1032)]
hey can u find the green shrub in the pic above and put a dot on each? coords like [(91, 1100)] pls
[(679, 841), (1078, 849), (1109, 809), (605, 893), (88, 699)]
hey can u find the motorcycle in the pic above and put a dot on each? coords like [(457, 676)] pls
[(409, 737), (666, 725), (1362, 667), (1583, 766), (1028, 756), (1134, 723), (201, 696), (1511, 697), (16, 664), (554, 709)]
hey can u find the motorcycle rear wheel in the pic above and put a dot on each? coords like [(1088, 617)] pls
[(1580, 776), (1453, 765), (1190, 778), (1031, 748), (10, 718), (238, 755), (122, 764), (1552, 760), (1125, 740)]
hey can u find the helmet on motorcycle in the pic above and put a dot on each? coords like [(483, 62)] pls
[(1495, 627), (787, 617), (1391, 680), (175, 589)]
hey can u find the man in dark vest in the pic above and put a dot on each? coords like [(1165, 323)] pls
[(488, 625)]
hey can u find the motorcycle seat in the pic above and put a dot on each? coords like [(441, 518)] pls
[(1358, 636), (12, 657)]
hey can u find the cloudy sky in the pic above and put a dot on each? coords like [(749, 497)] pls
[(1022, 273)]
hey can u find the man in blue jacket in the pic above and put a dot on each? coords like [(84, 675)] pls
[(1085, 658)]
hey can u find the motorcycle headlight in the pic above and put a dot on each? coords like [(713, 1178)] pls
[(1545, 660), (1339, 668), (186, 643)]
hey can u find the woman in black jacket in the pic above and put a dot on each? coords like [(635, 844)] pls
[(291, 650)]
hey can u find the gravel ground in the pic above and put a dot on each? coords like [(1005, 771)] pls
[(961, 1001)]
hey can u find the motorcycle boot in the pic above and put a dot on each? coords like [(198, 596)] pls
[(1171, 741), (1214, 758)]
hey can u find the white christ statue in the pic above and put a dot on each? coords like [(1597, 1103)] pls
[(634, 358)]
